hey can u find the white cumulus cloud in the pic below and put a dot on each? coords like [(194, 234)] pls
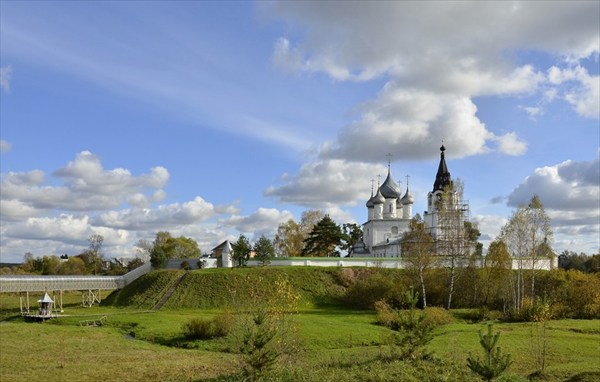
[(87, 186), (328, 183), (435, 58)]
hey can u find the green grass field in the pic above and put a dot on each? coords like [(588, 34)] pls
[(336, 344)]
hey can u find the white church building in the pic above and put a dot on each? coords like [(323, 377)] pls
[(389, 214)]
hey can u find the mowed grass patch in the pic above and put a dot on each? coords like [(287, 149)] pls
[(34, 352), (335, 328), (573, 346)]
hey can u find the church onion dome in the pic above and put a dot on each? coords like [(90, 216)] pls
[(370, 203), (379, 198), (442, 178), (389, 189), (407, 198)]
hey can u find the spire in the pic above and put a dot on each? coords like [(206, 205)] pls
[(442, 178), (408, 198), (370, 203)]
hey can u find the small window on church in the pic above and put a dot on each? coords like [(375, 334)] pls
[(394, 230)]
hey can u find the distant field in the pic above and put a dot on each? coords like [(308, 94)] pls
[(336, 344)]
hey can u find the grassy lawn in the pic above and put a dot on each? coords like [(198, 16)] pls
[(335, 342), (34, 352)]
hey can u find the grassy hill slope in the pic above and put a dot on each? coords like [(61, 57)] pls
[(218, 288), (144, 292)]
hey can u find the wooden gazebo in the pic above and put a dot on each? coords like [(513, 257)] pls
[(46, 305)]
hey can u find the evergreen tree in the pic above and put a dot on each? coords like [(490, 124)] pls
[(351, 234), (494, 363), (241, 251), (264, 250), (158, 257), (323, 239)]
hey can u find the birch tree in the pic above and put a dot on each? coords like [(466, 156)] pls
[(452, 240), (417, 252), (524, 234)]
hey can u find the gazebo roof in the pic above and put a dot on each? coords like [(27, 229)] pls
[(46, 298)]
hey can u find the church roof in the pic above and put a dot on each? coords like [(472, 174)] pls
[(370, 203), (442, 178), (389, 188), (407, 198), (379, 198)]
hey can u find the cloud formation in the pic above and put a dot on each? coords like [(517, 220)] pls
[(434, 60), (263, 221), (434, 69), (87, 186), (43, 218), (327, 183), (571, 196)]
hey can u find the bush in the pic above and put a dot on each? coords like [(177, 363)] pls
[(386, 316), (205, 329), (485, 314), (199, 329), (224, 323), (436, 316), (364, 293)]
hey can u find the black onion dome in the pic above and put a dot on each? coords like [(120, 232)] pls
[(442, 178), (389, 189), (407, 198), (370, 203), (379, 198)]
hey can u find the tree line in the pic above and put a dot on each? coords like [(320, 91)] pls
[(89, 262)]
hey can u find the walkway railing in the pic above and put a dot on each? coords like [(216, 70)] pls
[(28, 283)]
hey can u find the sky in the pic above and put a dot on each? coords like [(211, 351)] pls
[(215, 119)]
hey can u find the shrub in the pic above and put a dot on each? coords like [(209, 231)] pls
[(204, 329), (364, 293), (185, 265), (199, 329), (224, 323), (386, 316), (436, 316), (485, 314)]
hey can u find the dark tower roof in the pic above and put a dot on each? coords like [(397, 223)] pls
[(442, 178), (389, 188)]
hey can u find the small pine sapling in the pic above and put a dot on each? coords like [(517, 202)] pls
[(415, 332), (494, 363)]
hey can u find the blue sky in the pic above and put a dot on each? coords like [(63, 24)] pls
[(211, 119)]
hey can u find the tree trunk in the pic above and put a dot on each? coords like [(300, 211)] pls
[(423, 288), (451, 287)]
